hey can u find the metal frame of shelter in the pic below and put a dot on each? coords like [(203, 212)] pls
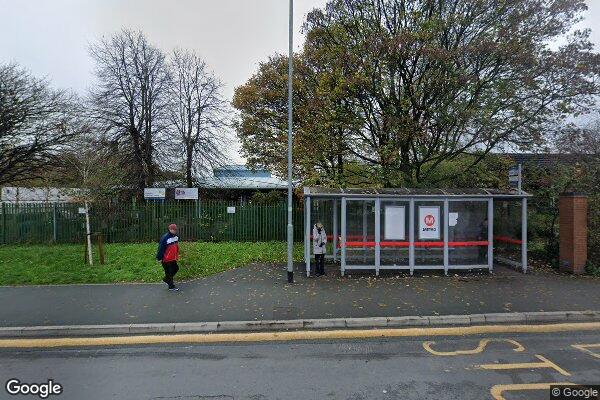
[(341, 199)]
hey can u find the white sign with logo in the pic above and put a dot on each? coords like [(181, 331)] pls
[(394, 223), (230, 210), (429, 222), (155, 193), (186, 194)]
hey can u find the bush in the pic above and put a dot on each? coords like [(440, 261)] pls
[(591, 268)]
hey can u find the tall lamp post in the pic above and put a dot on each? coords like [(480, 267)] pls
[(290, 226)]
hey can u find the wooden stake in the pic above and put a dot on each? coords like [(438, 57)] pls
[(101, 248)]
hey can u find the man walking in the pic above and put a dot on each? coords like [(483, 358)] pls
[(168, 253)]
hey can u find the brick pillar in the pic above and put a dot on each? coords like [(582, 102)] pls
[(573, 232)]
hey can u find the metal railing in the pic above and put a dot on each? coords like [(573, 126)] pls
[(198, 221)]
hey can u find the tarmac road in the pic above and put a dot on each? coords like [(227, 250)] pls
[(454, 367)]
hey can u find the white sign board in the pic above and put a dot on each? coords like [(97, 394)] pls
[(230, 210), (452, 219), (155, 193), (186, 194), (394, 223), (429, 222), (514, 176), (82, 210)]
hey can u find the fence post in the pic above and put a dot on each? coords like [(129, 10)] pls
[(4, 223), (54, 225)]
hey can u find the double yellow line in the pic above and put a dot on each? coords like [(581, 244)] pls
[(292, 335)]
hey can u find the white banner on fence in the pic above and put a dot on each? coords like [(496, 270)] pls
[(186, 194), (230, 210), (155, 193), (394, 223), (429, 222)]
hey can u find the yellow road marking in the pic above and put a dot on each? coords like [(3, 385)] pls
[(497, 390), (294, 335), (586, 348), (482, 345), (544, 364)]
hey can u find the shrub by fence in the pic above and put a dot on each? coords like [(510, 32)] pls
[(197, 221)]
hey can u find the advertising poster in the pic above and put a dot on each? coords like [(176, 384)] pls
[(394, 227), (429, 222)]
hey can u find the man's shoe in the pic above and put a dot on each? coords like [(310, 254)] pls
[(165, 281), (174, 289)]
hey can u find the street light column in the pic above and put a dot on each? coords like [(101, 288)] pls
[(290, 226)]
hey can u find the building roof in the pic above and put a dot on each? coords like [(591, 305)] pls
[(242, 178), (547, 160), (408, 192)]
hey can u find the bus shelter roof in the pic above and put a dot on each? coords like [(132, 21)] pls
[(322, 192)]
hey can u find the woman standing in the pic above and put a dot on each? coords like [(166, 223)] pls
[(319, 246)]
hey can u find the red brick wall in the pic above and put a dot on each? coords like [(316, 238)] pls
[(573, 232)]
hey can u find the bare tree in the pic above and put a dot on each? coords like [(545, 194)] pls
[(35, 122), (90, 164), (130, 98), (197, 112)]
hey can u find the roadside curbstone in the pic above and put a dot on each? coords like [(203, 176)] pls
[(407, 321), (546, 316), (477, 319), (505, 318), (151, 328), (366, 322), (283, 325), (449, 320), (325, 323), (196, 326)]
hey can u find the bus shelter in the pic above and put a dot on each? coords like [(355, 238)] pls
[(418, 229)]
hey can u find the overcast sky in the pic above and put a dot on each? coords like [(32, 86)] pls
[(51, 37)]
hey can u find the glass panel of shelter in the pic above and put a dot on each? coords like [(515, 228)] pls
[(360, 233), (508, 232), (429, 234), (394, 236), (468, 234), (322, 210)]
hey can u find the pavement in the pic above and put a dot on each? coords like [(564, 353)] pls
[(509, 366), (260, 292)]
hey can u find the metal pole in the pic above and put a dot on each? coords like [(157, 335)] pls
[(335, 229), (307, 233), (411, 236), (290, 226), (491, 234), (524, 235), (446, 252), (377, 235), (364, 224), (343, 216)]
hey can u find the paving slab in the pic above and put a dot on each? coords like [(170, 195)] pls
[(260, 292)]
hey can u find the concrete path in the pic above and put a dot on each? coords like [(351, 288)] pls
[(260, 292)]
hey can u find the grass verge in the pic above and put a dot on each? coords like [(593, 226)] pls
[(64, 264)]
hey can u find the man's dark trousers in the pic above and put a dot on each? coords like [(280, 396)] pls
[(171, 269)]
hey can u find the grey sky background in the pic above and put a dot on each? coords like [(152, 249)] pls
[(51, 37)]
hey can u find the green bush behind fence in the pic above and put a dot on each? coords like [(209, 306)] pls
[(197, 221)]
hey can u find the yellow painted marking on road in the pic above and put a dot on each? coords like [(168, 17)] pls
[(294, 335), (482, 345), (586, 348), (497, 390), (544, 364)]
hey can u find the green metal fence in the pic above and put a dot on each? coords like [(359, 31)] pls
[(197, 221)]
